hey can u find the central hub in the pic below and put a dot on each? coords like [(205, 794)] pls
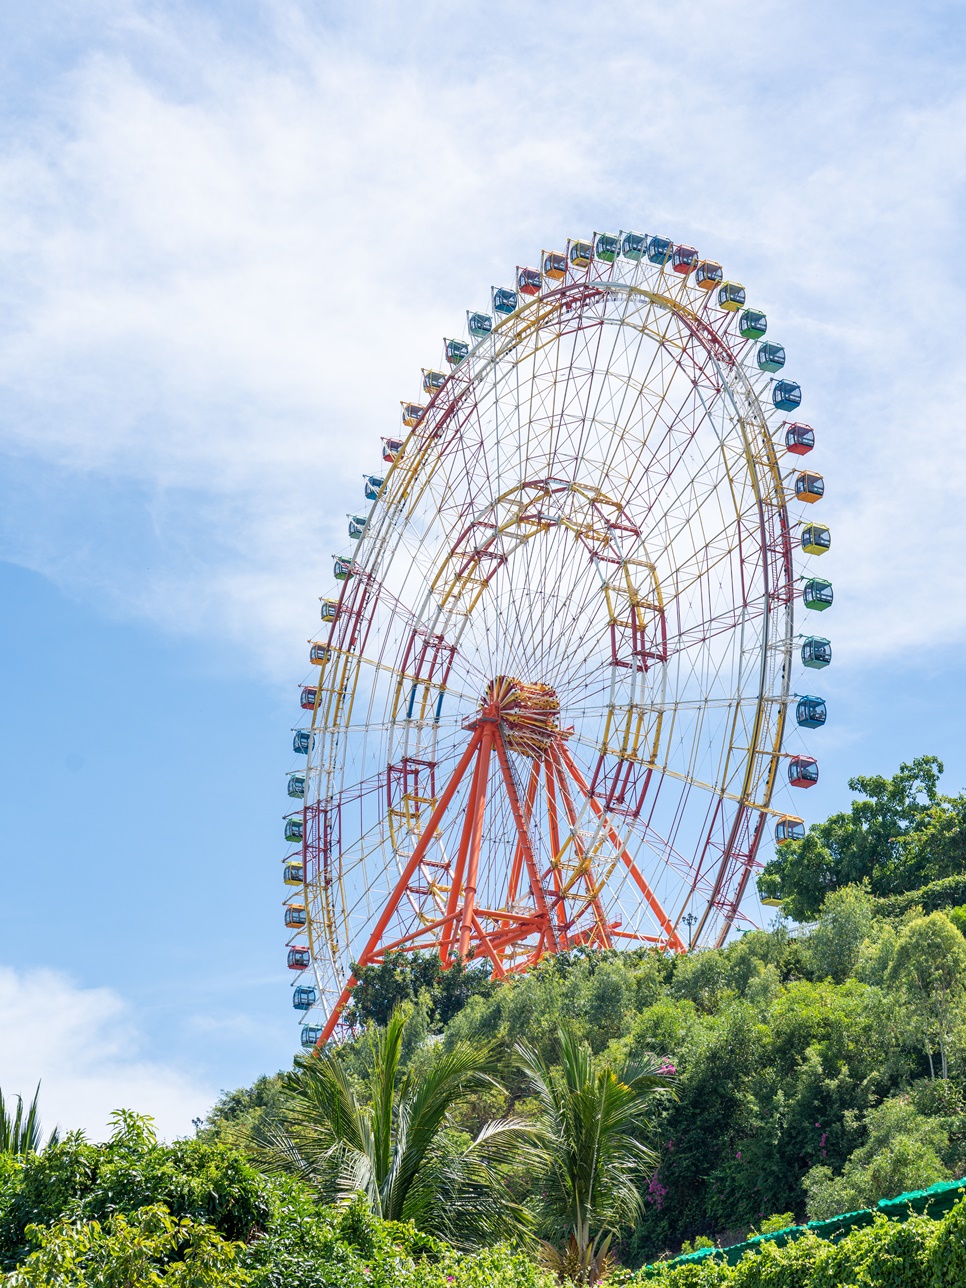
[(528, 713)]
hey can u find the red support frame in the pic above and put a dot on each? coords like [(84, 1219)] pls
[(559, 914)]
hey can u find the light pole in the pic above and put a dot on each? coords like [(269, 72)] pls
[(689, 920)]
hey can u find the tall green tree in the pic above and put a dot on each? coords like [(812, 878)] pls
[(390, 1138), (593, 1157), (929, 971), (888, 838)]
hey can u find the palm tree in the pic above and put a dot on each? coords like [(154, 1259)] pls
[(391, 1139), (592, 1154), (20, 1130)]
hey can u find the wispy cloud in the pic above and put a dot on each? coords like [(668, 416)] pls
[(81, 1044), (226, 259)]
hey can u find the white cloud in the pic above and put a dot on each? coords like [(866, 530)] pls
[(226, 262), (81, 1044)]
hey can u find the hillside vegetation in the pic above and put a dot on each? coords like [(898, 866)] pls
[(604, 1111)]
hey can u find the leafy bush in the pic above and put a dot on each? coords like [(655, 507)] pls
[(210, 1184)]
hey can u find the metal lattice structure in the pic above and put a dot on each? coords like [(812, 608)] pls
[(550, 701)]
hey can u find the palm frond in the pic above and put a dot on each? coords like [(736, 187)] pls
[(21, 1131)]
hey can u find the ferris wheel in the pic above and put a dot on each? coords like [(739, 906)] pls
[(552, 688)]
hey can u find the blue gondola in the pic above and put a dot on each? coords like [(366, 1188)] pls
[(786, 395), (298, 958), (310, 1035), (659, 250), (357, 526), (817, 594), (771, 356), (634, 246), (816, 652), (301, 741), (304, 997), (479, 325), (456, 351), (811, 712), (307, 698), (295, 916), (373, 485), (296, 785), (504, 300), (293, 829), (293, 874)]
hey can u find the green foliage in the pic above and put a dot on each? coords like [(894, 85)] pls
[(390, 1139), (946, 895), (901, 835), (929, 971), (901, 1152), (835, 945), (151, 1248), (592, 1159), (20, 1128), (236, 1114), (74, 1179), (406, 977)]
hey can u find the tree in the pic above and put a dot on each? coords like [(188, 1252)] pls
[(592, 1153), (151, 1248), (20, 1130), (929, 972), (406, 977), (901, 1153), (835, 944), (874, 841), (391, 1140)]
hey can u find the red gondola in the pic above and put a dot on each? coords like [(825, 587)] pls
[(528, 281), (684, 259), (803, 771), (799, 438)]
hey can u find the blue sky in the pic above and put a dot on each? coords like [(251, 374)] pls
[(230, 235)]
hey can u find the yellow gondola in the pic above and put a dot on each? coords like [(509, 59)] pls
[(816, 539), (731, 296)]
